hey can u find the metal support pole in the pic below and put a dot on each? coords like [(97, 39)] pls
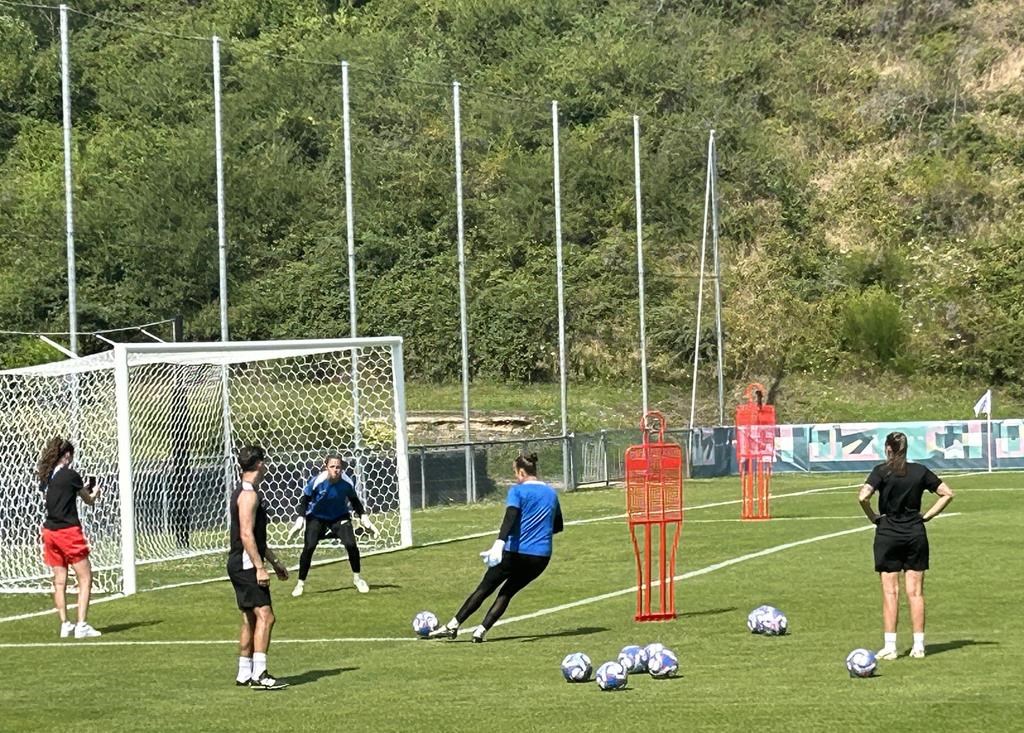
[(69, 219), (222, 241), (463, 314), (562, 367)]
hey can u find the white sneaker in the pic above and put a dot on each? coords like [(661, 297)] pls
[(917, 652), (298, 589), (66, 629), (85, 631), (888, 653), (361, 585)]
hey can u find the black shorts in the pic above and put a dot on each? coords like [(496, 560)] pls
[(248, 592), (520, 569), (900, 545)]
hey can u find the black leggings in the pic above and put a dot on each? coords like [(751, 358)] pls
[(513, 573), (316, 530)]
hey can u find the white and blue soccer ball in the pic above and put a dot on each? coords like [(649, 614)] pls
[(663, 664), (861, 663), (767, 620), (633, 658), (424, 623), (612, 676), (576, 667)]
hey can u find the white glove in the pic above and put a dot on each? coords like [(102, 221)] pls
[(368, 525), (298, 526), (492, 557)]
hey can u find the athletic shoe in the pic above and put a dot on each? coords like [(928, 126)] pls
[(67, 628), (361, 585), (266, 681), (443, 632), (85, 631), (298, 589), (887, 653), (917, 652)]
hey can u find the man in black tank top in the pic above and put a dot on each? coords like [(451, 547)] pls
[(247, 569), (901, 543)]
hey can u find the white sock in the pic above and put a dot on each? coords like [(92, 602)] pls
[(479, 632), (890, 639), (919, 640), (244, 669), (259, 664), (453, 624), (355, 577), (301, 583)]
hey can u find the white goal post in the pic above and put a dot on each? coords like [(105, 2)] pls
[(159, 425)]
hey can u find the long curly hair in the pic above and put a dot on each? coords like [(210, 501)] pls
[(53, 451)]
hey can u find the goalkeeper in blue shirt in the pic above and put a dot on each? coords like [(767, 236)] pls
[(327, 504), (521, 552)]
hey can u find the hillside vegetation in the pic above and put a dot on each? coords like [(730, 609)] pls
[(871, 169)]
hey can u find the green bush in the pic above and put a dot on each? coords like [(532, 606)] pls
[(874, 326)]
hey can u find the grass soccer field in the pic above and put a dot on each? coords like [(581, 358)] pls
[(167, 659)]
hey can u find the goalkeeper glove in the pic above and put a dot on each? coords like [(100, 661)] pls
[(492, 557), (366, 524), (298, 526)]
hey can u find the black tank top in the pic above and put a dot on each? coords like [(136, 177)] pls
[(236, 555)]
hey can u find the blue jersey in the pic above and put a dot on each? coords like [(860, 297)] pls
[(538, 505), (330, 502)]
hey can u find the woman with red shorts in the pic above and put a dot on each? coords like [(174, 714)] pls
[(63, 541)]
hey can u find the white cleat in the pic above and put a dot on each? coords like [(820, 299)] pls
[(85, 631), (67, 628), (361, 585), (299, 587), (917, 652), (887, 653)]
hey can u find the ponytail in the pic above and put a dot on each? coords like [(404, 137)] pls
[(896, 453)]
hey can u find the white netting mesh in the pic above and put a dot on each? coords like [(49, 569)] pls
[(298, 403)]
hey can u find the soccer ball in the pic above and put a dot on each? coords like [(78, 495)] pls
[(754, 619), (424, 623), (663, 664), (774, 622), (633, 658), (767, 620), (612, 676), (861, 663), (576, 667)]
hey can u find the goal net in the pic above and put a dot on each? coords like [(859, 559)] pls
[(159, 425)]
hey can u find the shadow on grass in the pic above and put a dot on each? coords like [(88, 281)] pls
[(344, 588), (708, 612), (948, 646), (579, 631), (118, 628), (315, 674)]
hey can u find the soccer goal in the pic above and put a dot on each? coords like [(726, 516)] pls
[(159, 425)]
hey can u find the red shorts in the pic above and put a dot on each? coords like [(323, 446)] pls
[(63, 547)]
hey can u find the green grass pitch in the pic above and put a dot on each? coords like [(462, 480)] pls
[(167, 659)]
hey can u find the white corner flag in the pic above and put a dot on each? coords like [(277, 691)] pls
[(984, 404)]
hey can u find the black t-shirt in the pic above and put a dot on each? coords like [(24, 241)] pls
[(61, 499), (899, 497)]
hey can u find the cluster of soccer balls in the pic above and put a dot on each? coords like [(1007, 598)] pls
[(654, 659), (660, 662)]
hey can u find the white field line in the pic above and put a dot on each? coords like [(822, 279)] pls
[(526, 616)]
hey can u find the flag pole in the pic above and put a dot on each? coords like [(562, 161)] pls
[(988, 418)]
